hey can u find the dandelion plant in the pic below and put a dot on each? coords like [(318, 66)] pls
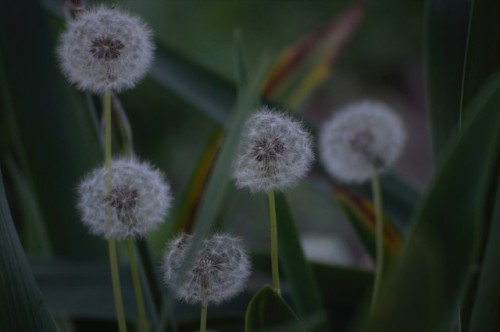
[(104, 50), (218, 272), (274, 153), (357, 143)]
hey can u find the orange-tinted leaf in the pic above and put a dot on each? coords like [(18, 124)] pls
[(304, 65), (197, 185), (361, 214)]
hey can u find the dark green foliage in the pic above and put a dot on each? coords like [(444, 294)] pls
[(22, 307)]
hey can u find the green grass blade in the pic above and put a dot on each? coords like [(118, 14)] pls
[(36, 238), (483, 49), (190, 201), (303, 288), (218, 181), (485, 317), (22, 307), (445, 39), (213, 195), (303, 65), (427, 287), (361, 214), (343, 288), (268, 312)]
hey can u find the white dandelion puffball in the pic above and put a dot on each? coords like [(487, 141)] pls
[(360, 137), (104, 49), (137, 202), (274, 153), (219, 270)]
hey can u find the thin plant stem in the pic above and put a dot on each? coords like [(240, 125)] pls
[(203, 319), (137, 286), (120, 313), (274, 241), (113, 259), (379, 235), (107, 137)]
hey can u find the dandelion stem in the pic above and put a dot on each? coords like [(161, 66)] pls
[(137, 286), (116, 286), (379, 235), (203, 320), (113, 260), (107, 137), (274, 241)]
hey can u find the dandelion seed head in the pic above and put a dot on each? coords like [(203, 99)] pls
[(219, 270), (359, 137), (274, 153), (137, 202), (105, 48)]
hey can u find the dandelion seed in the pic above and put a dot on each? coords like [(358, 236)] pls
[(218, 272), (137, 202), (105, 48), (274, 152), (361, 137)]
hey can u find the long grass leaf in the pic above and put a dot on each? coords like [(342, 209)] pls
[(303, 288), (445, 39), (483, 49), (22, 307), (427, 287), (305, 64), (485, 317)]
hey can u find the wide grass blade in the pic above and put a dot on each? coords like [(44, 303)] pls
[(22, 307), (303, 288), (190, 201), (361, 214), (218, 181), (36, 238), (445, 40), (427, 287), (483, 48), (486, 309), (216, 187), (268, 312)]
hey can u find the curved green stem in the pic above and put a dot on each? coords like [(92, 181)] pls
[(379, 234), (143, 320), (274, 241), (203, 320), (113, 260)]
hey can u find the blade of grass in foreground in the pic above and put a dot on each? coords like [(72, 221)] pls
[(268, 312), (483, 48), (446, 35), (485, 317), (216, 187), (427, 287), (22, 307), (303, 288)]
